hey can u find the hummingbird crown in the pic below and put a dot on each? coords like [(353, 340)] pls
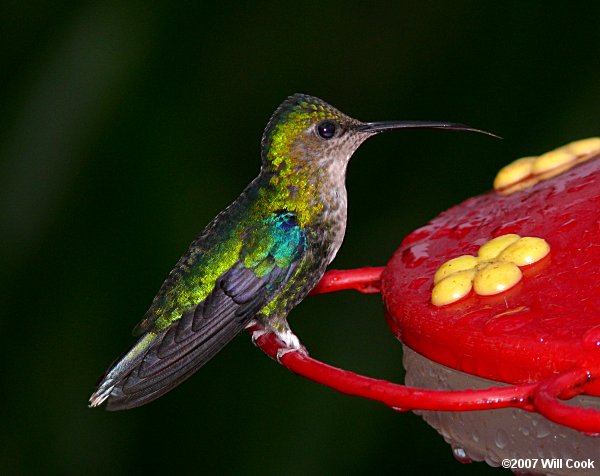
[(301, 129)]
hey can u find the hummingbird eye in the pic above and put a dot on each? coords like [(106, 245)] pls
[(326, 129)]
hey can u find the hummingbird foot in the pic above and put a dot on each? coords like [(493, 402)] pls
[(258, 333), (292, 344), (290, 339), (287, 337), (286, 350)]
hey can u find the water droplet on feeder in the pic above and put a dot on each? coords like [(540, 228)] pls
[(591, 339), (542, 430), (502, 439), (461, 455), (415, 255)]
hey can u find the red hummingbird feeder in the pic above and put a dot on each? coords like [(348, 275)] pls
[(497, 305)]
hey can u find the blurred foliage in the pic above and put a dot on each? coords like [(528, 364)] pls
[(126, 126)]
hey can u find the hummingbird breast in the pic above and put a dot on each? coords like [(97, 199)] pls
[(334, 219), (323, 213)]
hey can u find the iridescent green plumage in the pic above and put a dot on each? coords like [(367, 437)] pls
[(257, 259)]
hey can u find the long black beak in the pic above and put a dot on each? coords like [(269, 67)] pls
[(394, 125)]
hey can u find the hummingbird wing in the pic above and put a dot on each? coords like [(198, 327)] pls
[(271, 254)]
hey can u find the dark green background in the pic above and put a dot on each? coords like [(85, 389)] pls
[(126, 126)]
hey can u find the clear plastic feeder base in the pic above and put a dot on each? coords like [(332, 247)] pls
[(509, 433)]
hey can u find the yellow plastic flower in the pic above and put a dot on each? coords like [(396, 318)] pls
[(527, 171), (494, 270)]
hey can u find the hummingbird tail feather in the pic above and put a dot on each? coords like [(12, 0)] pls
[(121, 369), (169, 362), (160, 361)]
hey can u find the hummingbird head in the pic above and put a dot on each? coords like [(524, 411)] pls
[(307, 133)]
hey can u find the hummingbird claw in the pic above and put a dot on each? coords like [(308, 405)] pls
[(257, 334), (286, 350), (290, 339), (292, 344)]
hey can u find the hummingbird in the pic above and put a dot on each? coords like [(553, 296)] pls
[(258, 258)]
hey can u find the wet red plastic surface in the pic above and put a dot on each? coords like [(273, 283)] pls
[(549, 323)]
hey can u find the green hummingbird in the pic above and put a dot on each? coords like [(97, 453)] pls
[(258, 258)]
